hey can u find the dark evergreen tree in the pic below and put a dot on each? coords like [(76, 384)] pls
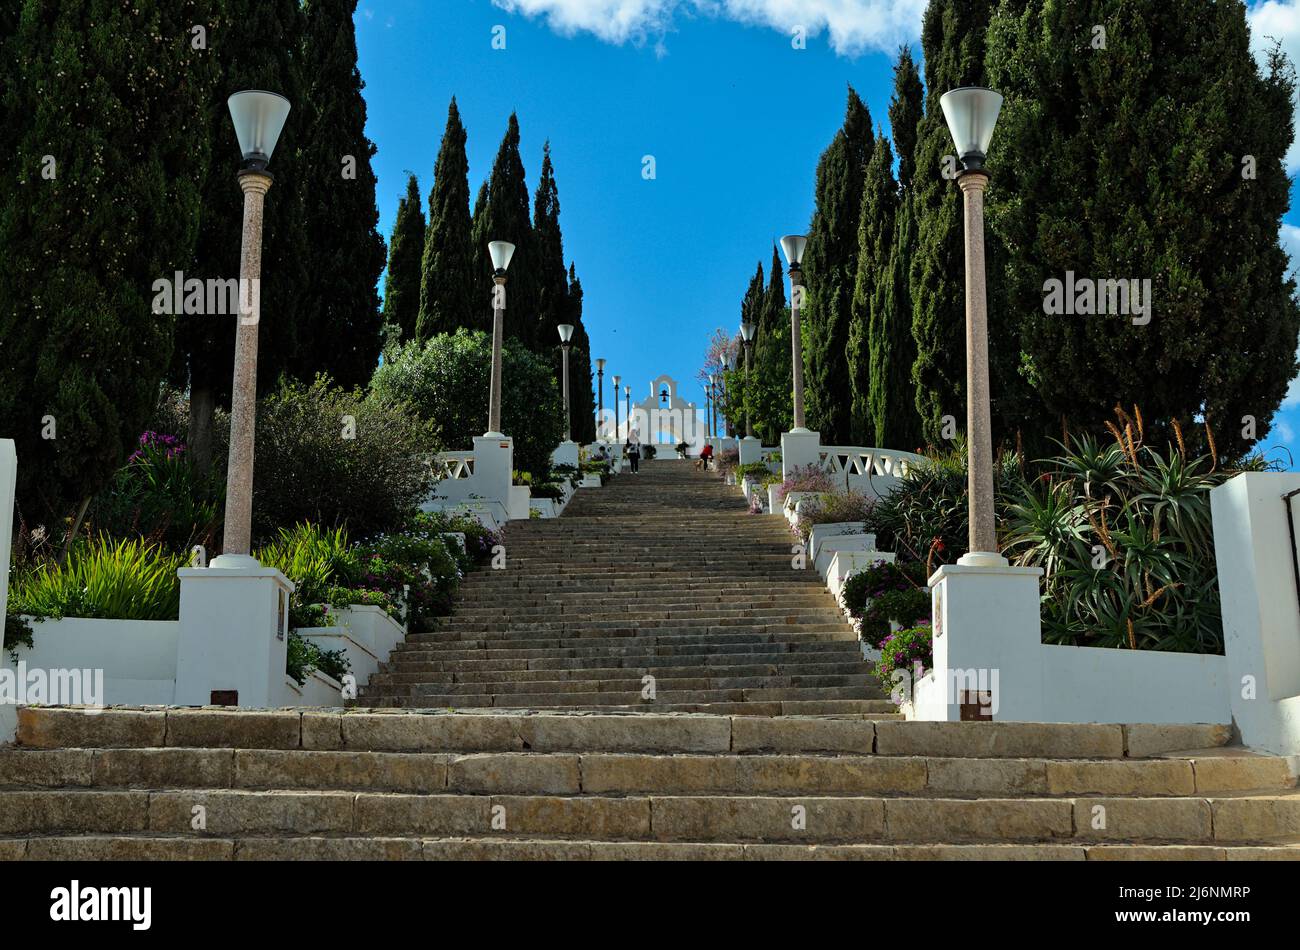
[(906, 110), (405, 250), (868, 344), (340, 329), (552, 280), (583, 396), (830, 268), (256, 45), (100, 201), (1173, 174), (505, 217), (449, 291), (952, 40), (773, 383)]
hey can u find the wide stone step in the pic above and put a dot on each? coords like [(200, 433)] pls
[(417, 673), (875, 709), (513, 848), (435, 697), (800, 819), (623, 682), (627, 639), (645, 663), (624, 773)]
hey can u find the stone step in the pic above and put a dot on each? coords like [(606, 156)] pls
[(417, 673), (628, 773), (875, 709), (434, 697), (597, 684), (711, 638), (804, 819), (518, 730), (643, 663)]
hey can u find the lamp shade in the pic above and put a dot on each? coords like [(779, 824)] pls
[(616, 381), (600, 365), (747, 331), (971, 113), (259, 119), (501, 252), (627, 390), (793, 246), (566, 332)]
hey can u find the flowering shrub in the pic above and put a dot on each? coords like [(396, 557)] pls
[(807, 478), (152, 442), (901, 649), (834, 507), (882, 593), (727, 461)]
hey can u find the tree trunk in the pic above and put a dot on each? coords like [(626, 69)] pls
[(202, 406)]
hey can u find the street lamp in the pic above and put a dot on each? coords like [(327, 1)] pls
[(259, 119), (747, 331), (616, 380), (500, 252), (566, 334), (627, 394), (600, 392), (793, 245), (971, 113), (713, 406)]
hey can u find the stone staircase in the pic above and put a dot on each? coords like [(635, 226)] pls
[(522, 728), (658, 585)]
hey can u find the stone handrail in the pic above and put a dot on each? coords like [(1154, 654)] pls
[(856, 460), (453, 465)]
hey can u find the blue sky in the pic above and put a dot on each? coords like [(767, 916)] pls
[(733, 114)]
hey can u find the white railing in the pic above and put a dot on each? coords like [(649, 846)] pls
[(854, 460), (453, 465)]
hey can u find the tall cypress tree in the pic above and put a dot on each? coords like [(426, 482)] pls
[(952, 38), (256, 45), (405, 249), (340, 328), (868, 348), (893, 348), (1173, 174), (830, 268), (581, 388), (101, 200), (552, 280), (448, 288), (505, 218), (774, 387)]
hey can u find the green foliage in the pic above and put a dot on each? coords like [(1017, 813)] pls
[(753, 471), (869, 344), (834, 507), (405, 249), (160, 495), (900, 651), (342, 329), (17, 633), (449, 288), (84, 239), (505, 217), (772, 401), (102, 578), (304, 657), (883, 593), (314, 466), (316, 559), (445, 379)]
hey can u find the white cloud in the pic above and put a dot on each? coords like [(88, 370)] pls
[(1277, 21), (853, 26)]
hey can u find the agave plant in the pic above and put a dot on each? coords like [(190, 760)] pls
[(117, 580)]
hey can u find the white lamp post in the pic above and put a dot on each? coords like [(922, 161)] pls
[(600, 393), (627, 395), (747, 331), (259, 119), (566, 334), (616, 423), (971, 113), (500, 252), (793, 245)]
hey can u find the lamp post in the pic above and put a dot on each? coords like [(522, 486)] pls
[(793, 245), (627, 394), (713, 406), (566, 334), (501, 252), (600, 393), (259, 119), (971, 113), (747, 331), (616, 381)]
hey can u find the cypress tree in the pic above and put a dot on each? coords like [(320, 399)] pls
[(100, 202), (504, 217), (449, 296), (552, 280), (952, 39), (1173, 174), (405, 250), (774, 387), (256, 45), (868, 346), (830, 268), (340, 328), (582, 392)]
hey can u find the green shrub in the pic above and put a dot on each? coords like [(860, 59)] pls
[(335, 458), (837, 507), (302, 658), (900, 650), (160, 496), (128, 579), (886, 592), (753, 471), (445, 380), (314, 558)]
